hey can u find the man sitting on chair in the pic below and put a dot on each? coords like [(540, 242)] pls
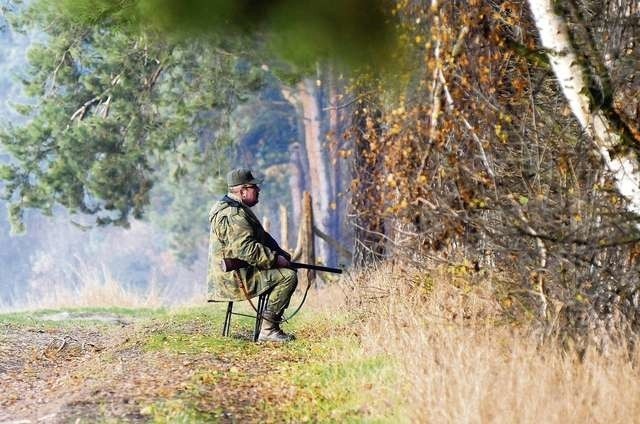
[(236, 232)]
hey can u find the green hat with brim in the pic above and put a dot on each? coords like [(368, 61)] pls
[(241, 176)]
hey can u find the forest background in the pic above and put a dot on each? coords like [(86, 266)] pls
[(473, 165), (456, 134)]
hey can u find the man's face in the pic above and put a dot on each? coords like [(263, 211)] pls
[(250, 194)]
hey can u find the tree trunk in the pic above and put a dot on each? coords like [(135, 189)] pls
[(284, 228), (318, 175), (305, 248), (623, 165), (296, 182), (306, 102), (334, 133)]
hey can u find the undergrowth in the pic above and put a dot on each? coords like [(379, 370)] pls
[(389, 345)]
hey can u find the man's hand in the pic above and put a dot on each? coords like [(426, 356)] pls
[(281, 262)]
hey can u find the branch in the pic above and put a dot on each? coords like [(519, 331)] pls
[(377, 233), (542, 253), (483, 155), (155, 76), (82, 110), (106, 106), (537, 57), (67, 50), (333, 243), (55, 71), (349, 103)]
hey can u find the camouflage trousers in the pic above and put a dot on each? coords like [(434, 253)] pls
[(282, 290), (251, 282)]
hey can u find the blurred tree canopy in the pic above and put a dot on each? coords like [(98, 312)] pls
[(355, 31), (119, 84)]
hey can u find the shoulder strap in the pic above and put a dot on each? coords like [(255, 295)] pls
[(231, 202), (234, 203)]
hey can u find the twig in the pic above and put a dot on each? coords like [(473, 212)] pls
[(57, 69), (483, 155), (542, 253), (333, 243), (349, 103), (377, 233), (155, 76), (64, 343), (82, 110)]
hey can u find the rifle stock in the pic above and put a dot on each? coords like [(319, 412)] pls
[(232, 264)]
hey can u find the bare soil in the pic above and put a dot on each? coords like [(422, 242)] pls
[(85, 374)]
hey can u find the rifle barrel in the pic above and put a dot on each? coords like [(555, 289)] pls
[(231, 264), (316, 267)]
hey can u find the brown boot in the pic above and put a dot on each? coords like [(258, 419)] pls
[(271, 331)]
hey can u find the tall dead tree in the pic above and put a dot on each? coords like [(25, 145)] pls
[(305, 248)]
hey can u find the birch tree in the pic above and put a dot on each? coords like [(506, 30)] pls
[(608, 138), (472, 157)]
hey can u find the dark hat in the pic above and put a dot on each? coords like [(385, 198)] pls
[(241, 176)]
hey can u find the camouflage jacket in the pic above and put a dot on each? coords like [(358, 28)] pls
[(235, 232)]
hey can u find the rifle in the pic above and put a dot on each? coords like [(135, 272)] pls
[(232, 264)]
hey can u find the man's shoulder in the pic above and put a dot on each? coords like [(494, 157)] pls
[(224, 208)]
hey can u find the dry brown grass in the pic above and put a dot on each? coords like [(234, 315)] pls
[(96, 288), (94, 285), (458, 362)]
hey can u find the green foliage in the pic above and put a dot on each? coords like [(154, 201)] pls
[(132, 102), (115, 106), (354, 31)]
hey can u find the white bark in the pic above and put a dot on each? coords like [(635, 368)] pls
[(554, 36)]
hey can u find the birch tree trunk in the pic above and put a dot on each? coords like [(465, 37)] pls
[(554, 36)]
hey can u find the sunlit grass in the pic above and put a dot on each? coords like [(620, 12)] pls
[(336, 389), (321, 377), (405, 347), (178, 411), (87, 316)]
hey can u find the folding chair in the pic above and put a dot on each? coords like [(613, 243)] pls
[(261, 307)]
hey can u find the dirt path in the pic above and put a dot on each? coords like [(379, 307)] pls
[(79, 373)]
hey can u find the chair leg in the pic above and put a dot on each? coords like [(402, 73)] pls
[(227, 320), (262, 306)]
